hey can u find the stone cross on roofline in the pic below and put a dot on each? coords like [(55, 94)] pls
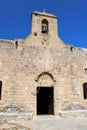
[(44, 10)]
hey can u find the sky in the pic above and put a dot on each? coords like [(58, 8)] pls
[(15, 19)]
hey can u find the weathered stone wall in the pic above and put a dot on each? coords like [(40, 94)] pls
[(42, 60), (20, 67)]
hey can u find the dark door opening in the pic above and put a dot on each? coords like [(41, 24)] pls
[(45, 100)]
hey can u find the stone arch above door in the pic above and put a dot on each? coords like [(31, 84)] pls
[(45, 79)]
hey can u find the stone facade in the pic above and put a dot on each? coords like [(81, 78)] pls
[(41, 60)]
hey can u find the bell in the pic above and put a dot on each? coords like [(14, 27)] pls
[(44, 29)]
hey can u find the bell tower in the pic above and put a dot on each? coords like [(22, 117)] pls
[(44, 30), (43, 23)]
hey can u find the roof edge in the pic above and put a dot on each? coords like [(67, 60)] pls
[(44, 14)]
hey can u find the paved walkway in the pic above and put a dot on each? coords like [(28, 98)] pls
[(55, 123), (49, 123)]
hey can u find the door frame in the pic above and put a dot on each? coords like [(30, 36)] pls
[(51, 100)]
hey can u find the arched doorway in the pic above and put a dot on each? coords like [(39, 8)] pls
[(45, 94), (45, 99)]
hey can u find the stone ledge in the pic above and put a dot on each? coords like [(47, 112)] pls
[(73, 113), (24, 116)]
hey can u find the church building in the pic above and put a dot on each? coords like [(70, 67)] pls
[(42, 74)]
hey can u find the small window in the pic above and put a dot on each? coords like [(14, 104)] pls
[(85, 90), (0, 89), (86, 71), (16, 43)]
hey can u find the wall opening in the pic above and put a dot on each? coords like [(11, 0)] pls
[(85, 90), (45, 99), (44, 26), (16, 44), (86, 71), (0, 89)]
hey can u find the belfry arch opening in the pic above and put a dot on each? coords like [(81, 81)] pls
[(44, 26)]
